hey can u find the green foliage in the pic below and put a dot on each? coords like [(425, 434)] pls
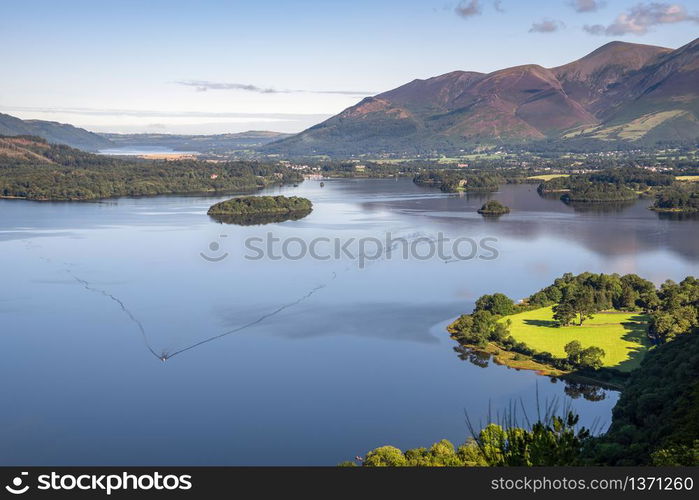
[(253, 205), (555, 441), (451, 181), (589, 358), (656, 419), (673, 310), (578, 300), (678, 199), (385, 456), (478, 328), (61, 173), (497, 303), (678, 455), (655, 422), (563, 313), (615, 184), (493, 207), (676, 310)]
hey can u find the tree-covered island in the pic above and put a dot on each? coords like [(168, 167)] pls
[(253, 210), (493, 208)]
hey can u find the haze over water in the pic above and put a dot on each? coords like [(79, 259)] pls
[(337, 359)]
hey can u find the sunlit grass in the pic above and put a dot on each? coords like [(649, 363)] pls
[(622, 335), (547, 177)]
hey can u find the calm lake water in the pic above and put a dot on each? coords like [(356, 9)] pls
[(145, 150), (324, 359)]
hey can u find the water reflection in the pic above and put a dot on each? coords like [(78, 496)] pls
[(574, 389), (589, 392), (363, 361), (601, 208), (609, 230), (678, 216), (258, 219)]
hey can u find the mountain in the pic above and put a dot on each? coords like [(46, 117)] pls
[(215, 144), (54, 132), (621, 91)]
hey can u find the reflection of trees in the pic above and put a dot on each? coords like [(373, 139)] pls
[(587, 391), (601, 208), (258, 219), (480, 359), (678, 215), (572, 389)]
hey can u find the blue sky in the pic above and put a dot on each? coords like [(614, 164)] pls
[(228, 66)]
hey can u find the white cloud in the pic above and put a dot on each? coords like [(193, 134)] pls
[(468, 8), (640, 18), (587, 5), (546, 26)]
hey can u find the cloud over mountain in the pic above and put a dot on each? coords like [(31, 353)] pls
[(204, 85)]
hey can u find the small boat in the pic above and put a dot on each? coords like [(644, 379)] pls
[(322, 184)]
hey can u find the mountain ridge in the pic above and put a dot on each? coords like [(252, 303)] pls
[(54, 132), (619, 91)]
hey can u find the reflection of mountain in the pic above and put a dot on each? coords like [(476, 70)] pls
[(617, 230)]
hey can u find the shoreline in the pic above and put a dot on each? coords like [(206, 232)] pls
[(505, 358)]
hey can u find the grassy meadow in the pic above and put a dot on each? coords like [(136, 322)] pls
[(622, 335), (547, 177)]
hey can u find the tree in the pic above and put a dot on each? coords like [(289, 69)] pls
[(385, 456), (591, 358), (573, 350), (577, 300), (498, 303), (584, 305), (588, 358), (563, 313)]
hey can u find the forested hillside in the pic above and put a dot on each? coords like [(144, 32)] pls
[(33, 169)]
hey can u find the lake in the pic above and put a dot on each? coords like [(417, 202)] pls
[(298, 360), (144, 151)]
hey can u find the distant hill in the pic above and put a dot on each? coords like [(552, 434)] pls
[(216, 144), (33, 169), (54, 132), (621, 91)]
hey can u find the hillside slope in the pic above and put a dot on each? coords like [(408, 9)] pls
[(53, 132), (216, 144), (621, 91)]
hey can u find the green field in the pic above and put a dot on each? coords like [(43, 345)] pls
[(547, 177), (688, 178), (622, 335)]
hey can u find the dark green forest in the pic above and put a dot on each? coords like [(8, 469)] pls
[(680, 198), (615, 184), (36, 170)]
